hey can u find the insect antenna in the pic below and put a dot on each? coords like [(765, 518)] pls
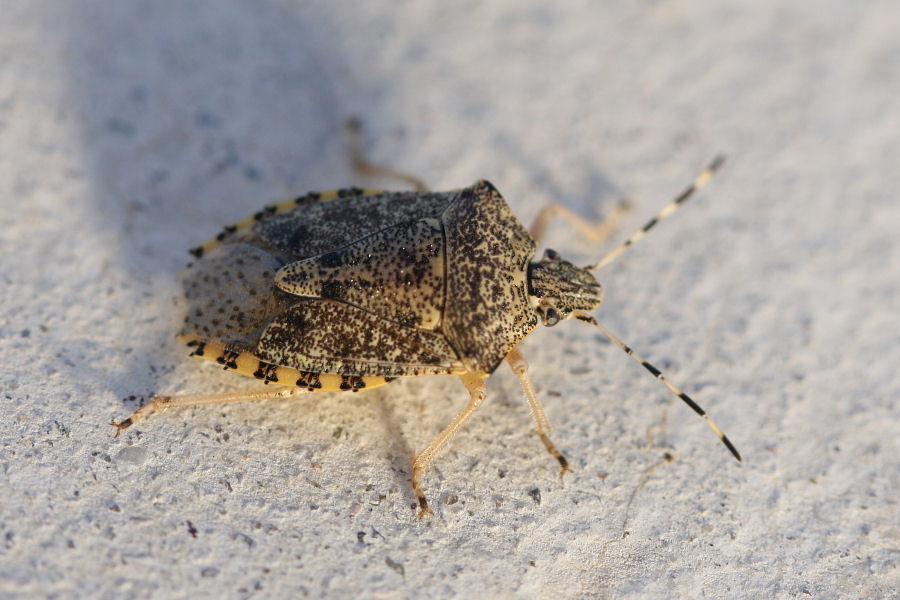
[(587, 318), (698, 183)]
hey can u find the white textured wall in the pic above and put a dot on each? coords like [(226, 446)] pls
[(131, 131)]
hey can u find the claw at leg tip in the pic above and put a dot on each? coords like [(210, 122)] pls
[(121, 425), (424, 509)]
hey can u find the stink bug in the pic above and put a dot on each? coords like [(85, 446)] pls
[(350, 289)]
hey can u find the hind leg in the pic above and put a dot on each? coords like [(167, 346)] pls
[(365, 168), (160, 403)]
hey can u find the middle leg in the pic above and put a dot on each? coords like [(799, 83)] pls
[(477, 391), (362, 165), (596, 232), (160, 403)]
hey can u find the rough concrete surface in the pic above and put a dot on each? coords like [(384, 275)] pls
[(131, 131)]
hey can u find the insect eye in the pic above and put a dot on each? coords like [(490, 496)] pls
[(550, 316), (550, 255)]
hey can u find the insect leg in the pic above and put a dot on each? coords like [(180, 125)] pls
[(587, 318), (160, 403), (474, 382), (595, 232), (520, 367), (364, 168)]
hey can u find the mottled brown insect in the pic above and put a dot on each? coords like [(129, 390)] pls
[(349, 289)]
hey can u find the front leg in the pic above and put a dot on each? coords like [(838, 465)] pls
[(520, 367)]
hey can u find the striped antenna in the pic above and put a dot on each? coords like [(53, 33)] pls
[(587, 318), (698, 183)]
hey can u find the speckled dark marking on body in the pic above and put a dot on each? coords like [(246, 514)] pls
[(352, 383), (332, 337), (266, 372), (308, 380), (228, 359), (397, 274), (387, 284), (331, 225), (488, 310)]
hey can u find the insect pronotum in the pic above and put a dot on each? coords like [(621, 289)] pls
[(350, 289)]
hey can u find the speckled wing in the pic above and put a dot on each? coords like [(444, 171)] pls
[(229, 295), (325, 336), (321, 227), (229, 288), (396, 273), (232, 297)]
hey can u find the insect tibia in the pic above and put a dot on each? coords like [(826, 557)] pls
[(583, 316)]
